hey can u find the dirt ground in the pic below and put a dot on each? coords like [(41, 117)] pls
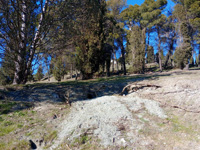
[(178, 93), (160, 111)]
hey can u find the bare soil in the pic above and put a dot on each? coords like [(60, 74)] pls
[(162, 114)]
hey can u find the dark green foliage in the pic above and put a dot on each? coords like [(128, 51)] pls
[(58, 69), (118, 33), (197, 60), (89, 46), (107, 52), (30, 76), (88, 33), (3, 79), (187, 13), (22, 26), (151, 11), (5, 107), (184, 52), (39, 75), (148, 17), (7, 69), (182, 55), (137, 49), (150, 54)]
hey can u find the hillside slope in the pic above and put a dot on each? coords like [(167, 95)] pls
[(156, 111)]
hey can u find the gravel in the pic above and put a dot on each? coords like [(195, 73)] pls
[(102, 116)]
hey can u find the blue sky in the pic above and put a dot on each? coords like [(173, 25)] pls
[(139, 2), (133, 2)]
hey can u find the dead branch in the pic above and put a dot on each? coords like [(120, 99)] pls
[(135, 87)]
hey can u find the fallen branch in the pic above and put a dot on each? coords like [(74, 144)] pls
[(135, 87)]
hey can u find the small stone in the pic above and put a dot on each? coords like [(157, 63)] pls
[(32, 144), (113, 140), (55, 116), (41, 141), (123, 142)]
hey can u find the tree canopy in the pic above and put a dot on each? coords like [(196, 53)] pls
[(90, 37)]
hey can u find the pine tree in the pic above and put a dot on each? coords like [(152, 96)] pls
[(39, 75), (187, 14), (147, 16), (23, 24), (90, 45), (150, 54), (137, 47), (114, 8), (7, 68), (58, 69), (183, 53), (170, 39)]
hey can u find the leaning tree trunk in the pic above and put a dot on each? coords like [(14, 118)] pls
[(35, 41), (22, 65)]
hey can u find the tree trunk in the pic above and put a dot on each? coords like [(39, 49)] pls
[(160, 60), (108, 54), (123, 59), (116, 61), (147, 45), (71, 72), (168, 56), (35, 40), (48, 76), (19, 64), (18, 72), (123, 54), (76, 75), (199, 58), (187, 66), (113, 64), (144, 46), (167, 59), (108, 67), (23, 67), (159, 50)]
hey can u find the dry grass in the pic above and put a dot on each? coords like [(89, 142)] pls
[(17, 128)]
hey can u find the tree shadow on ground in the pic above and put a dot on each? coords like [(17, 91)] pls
[(7, 106), (195, 68), (79, 90)]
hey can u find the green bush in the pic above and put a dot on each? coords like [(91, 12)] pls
[(39, 75), (58, 69)]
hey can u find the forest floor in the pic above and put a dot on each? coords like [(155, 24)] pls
[(155, 111)]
